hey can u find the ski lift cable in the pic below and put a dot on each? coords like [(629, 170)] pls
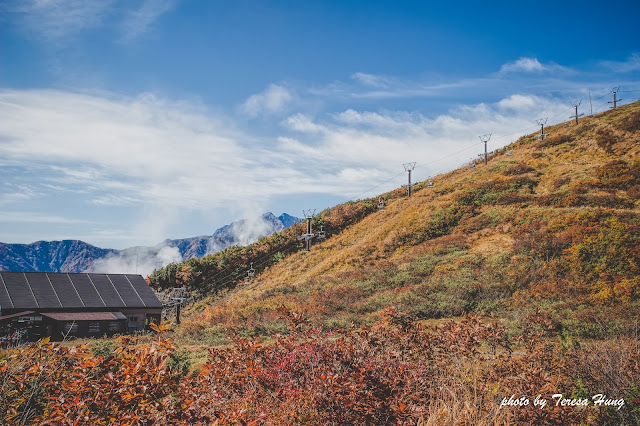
[(265, 258), (224, 283)]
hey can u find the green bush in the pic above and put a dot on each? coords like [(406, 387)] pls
[(102, 348), (179, 361)]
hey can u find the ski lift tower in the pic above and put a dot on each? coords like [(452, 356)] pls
[(541, 122), (615, 100), (308, 214), (408, 167), (485, 139)]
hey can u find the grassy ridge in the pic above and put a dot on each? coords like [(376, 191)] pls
[(547, 224)]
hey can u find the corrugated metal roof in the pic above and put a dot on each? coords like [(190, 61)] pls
[(50, 290), (19, 314), (84, 316)]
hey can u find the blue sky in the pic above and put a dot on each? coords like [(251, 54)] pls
[(124, 122)]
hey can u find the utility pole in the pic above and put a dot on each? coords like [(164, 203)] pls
[(485, 139), (541, 122), (308, 214), (408, 167), (575, 105), (615, 100)]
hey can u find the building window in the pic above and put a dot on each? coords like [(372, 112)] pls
[(114, 326), (94, 327), (70, 328), (133, 319), (152, 319)]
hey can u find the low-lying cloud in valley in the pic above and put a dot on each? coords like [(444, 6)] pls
[(139, 260)]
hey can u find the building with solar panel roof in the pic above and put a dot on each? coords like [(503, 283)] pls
[(40, 304)]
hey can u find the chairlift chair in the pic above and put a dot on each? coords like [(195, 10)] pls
[(380, 205), (322, 234), (250, 274), (430, 183), (472, 164)]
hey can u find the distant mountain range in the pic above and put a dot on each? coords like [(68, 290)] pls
[(78, 256)]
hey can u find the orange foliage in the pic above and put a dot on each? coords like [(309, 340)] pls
[(396, 372)]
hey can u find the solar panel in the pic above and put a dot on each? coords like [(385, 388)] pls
[(86, 290), (146, 293), (5, 301), (126, 291), (42, 290), (65, 290), (106, 290), (19, 290)]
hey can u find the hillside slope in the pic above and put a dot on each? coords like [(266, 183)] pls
[(548, 224)]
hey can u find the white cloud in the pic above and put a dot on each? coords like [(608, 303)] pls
[(141, 260), (273, 99), (302, 123), (632, 63), (56, 19), (530, 65), (371, 80), (16, 193), (31, 217), (523, 64), (519, 102), (59, 20), (114, 200), (140, 21)]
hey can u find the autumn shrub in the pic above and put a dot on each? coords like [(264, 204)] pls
[(53, 384), (631, 122), (555, 140), (561, 181), (492, 190), (488, 219), (514, 198), (619, 174), (606, 139), (634, 192), (518, 169), (393, 372), (576, 199)]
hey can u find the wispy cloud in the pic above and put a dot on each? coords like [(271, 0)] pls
[(139, 22), (371, 79), (57, 19), (530, 65), (32, 217), (273, 99), (632, 63), (15, 192)]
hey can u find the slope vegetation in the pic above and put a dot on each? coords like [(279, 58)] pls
[(548, 224)]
